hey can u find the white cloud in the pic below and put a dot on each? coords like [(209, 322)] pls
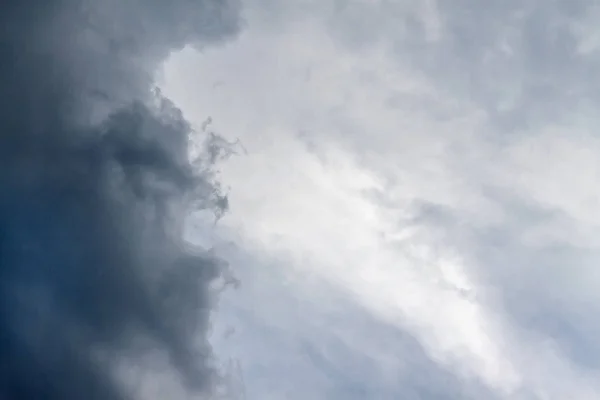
[(419, 172)]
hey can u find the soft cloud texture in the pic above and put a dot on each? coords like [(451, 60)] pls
[(96, 178), (418, 196)]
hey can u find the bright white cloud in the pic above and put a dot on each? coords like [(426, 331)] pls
[(422, 174)]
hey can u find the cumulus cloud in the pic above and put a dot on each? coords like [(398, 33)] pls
[(95, 181)]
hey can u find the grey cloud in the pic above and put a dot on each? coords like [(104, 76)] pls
[(526, 55), (519, 61), (317, 342), (552, 82), (94, 178), (532, 283)]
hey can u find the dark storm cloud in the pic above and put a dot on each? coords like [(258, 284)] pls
[(94, 180)]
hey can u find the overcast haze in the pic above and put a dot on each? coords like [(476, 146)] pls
[(414, 212), (403, 194)]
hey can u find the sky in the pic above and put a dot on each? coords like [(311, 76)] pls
[(413, 202)]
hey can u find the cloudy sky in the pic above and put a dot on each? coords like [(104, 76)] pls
[(414, 207)]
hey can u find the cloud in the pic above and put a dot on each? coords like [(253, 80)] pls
[(95, 179), (435, 164)]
